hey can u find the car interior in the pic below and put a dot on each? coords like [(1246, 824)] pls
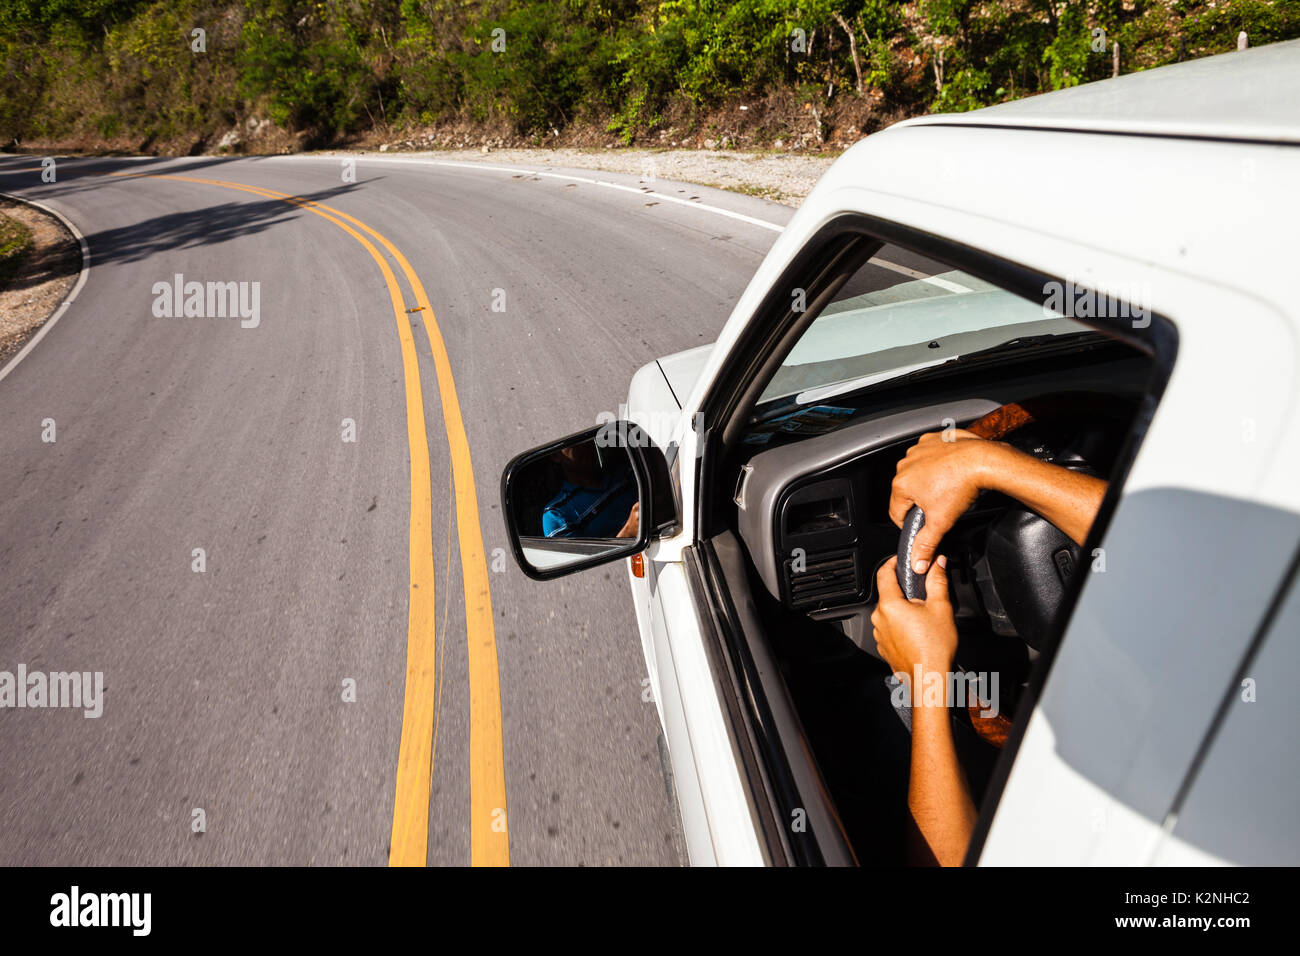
[(905, 346)]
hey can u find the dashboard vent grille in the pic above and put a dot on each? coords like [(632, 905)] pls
[(825, 580)]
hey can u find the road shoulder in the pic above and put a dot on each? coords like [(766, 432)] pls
[(43, 279), (785, 178)]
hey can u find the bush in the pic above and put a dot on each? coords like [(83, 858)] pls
[(329, 69)]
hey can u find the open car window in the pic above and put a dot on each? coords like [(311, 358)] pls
[(906, 346)]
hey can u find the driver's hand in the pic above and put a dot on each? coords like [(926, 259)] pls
[(912, 634), (632, 524), (942, 474)]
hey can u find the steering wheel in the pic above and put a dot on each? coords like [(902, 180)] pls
[(1015, 568), (911, 583), (995, 425)]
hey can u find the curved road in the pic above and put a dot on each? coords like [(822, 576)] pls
[(224, 687)]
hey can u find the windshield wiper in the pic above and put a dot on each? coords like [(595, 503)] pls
[(1047, 342), (1055, 339)]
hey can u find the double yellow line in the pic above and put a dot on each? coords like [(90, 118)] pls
[(489, 832)]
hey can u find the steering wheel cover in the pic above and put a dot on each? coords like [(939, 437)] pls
[(911, 583)]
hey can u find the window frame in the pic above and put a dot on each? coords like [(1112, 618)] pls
[(830, 257)]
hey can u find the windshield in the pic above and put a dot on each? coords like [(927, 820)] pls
[(898, 314)]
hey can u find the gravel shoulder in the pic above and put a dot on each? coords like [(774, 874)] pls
[(41, 282), (783, 177)]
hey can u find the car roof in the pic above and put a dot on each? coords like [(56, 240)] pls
[(1250, 95)]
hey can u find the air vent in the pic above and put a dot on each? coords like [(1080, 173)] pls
[(814, 517), (826, 580)]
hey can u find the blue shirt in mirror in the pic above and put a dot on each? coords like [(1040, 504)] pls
[(582, 512)]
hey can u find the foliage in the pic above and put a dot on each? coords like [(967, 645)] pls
[(329, 69), (15, 244)]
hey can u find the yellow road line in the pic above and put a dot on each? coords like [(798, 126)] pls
[(489, 832), (489, 828), (410, 832)]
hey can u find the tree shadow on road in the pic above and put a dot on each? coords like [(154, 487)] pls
[(243, 215), (192, 228), (21, 173)]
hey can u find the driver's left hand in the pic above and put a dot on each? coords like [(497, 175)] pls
[(912, 634)]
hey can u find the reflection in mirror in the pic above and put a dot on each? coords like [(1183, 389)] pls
[(574, 503)]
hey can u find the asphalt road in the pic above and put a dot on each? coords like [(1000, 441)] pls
[(224, 688)]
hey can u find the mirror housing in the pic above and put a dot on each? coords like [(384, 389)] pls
[(585, 500)]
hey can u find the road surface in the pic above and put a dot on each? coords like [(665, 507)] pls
[(226, 737)]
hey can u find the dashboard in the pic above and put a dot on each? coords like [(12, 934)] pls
[(813, 512)]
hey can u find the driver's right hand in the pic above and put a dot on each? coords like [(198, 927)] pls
[(942, 474)]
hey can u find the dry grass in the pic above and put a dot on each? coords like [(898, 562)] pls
[(15, 246)]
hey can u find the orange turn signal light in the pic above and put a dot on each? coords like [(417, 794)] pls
[(638, 566)]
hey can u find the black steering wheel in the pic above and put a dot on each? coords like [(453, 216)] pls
[(911, 583), (1012, 567), (1008, 567)]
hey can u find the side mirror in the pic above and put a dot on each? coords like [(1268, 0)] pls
[(585, 500)]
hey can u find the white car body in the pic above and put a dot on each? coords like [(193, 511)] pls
[(1183, 182)]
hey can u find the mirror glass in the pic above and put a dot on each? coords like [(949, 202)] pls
[(574, 502)]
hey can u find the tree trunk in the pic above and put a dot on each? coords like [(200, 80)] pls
[(853, 52)]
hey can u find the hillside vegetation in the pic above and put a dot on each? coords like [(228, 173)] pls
[(186, 76), (15, 244)]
